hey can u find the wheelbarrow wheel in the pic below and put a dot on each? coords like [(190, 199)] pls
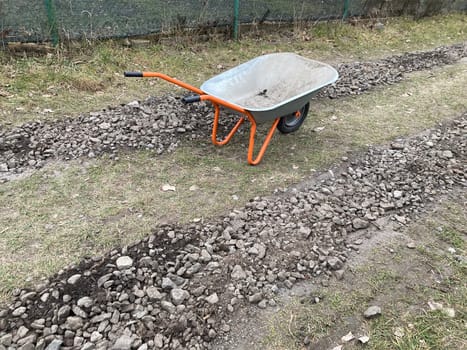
[(292, 122)]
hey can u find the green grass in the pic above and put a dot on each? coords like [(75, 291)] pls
[(89, 77)]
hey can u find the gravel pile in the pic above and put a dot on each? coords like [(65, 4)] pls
[(160, 124), (358, 77), (177, 288)]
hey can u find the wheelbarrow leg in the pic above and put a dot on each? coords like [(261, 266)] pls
[(265, 145), (217, 103), (216, 124)]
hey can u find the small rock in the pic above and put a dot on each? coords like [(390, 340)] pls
[(212, 299), (95, 336), (348, 337), (372, 311), (359, 224), (447, 154), (6, 339), (154, 294), (159, 341), (104, 126), (101, 317), (27, 296), (168, 306), (411, 245), (435, 305), (167, 188), (22, 332), (54, 345), (255, 298), (339, 274), (178, 296), (263, 304), (399, 332), (73, 279), (400, 219), (378, 26), (74, 323), (28, 342), (449, 312), (397, 145), (63, 312), (18, 311), (167, 283), (103, 279), (133, 104), (238, 273), (334, 263), (124, 262), (85, 302), (364, 339), (123, 343)]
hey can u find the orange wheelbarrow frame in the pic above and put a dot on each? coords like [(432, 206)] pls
[(217, 102)]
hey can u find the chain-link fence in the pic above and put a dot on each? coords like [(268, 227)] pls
[(54, 20)]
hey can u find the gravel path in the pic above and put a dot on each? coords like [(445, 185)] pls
[(160, 124), (179, 288)]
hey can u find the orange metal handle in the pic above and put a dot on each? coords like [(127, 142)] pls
[(164, 77)]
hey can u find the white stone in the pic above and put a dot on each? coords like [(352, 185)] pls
[(124, 262)]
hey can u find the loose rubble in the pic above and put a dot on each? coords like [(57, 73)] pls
[(161, 124), (177, 288)]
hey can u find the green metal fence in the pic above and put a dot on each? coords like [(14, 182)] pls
[(54, 20)]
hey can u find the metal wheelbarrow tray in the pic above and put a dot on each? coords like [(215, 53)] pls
[(275, 87)]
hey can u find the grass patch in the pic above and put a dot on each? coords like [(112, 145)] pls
[(88, 78)]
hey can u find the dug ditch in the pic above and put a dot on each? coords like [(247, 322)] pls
[(161, 124), (181, 287)]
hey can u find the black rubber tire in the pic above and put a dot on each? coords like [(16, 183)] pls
[(290, 123)]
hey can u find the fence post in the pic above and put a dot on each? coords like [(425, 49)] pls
[(346, 9), (52, 21), (235, 19)]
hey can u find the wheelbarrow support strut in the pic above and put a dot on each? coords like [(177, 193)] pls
[(217, 103)]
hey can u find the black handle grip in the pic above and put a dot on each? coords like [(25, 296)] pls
[(133, 74), (191, 99)]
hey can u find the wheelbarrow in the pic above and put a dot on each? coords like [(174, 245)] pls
[(273, 88)]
